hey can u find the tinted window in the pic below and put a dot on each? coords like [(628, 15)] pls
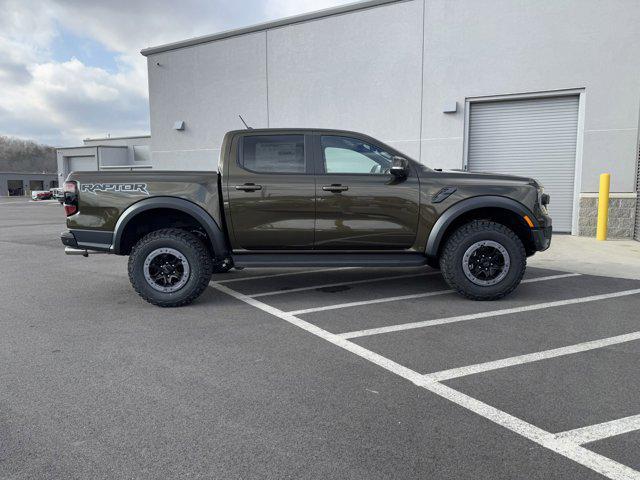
[(274, 153), (350, 155)]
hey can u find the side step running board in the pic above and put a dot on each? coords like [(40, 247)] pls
[(82, 251), (329, 260)]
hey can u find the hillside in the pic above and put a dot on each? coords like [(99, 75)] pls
[(18, 155)]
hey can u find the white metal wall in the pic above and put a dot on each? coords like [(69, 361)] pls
[(390, 70), (532, 138)]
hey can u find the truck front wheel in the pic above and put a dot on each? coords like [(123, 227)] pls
[(170, 267), (483, 260)]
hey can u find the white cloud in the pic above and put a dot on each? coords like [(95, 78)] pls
[(61, 101), (66, 101)]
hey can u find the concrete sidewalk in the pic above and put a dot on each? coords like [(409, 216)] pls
[(614, 258)]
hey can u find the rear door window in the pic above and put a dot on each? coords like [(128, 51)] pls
[(274, 154)]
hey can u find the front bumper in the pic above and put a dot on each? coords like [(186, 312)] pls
[(542, 238)]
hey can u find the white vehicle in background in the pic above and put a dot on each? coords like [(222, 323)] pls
[(58, 194)]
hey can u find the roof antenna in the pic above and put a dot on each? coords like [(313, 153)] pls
[(245, 123)]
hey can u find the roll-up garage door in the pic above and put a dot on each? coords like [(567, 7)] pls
[(531, 138), (80, 164)]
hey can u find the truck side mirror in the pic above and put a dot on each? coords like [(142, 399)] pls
[(399, 167)]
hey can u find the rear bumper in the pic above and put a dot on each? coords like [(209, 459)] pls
[(96, 240), (68, 239)]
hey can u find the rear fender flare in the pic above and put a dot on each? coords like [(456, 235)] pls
[(452, 213), (213, 230)]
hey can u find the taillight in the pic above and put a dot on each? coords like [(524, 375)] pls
[(70, 197)]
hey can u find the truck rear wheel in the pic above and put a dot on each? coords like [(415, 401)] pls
[(483, 260), (170, 267)]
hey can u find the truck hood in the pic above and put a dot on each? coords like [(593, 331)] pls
[(487, 176)]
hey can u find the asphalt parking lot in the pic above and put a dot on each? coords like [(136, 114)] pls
[(332, 373)]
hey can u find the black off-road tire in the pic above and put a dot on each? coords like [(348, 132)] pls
[(189, 245), (451, 259)]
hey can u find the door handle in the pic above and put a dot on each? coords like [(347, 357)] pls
[(336, 188), (249, 187)]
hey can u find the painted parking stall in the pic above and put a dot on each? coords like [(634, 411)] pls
[(476, 354)]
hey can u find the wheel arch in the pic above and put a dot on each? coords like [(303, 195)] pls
[(217, 239), (506, 209)]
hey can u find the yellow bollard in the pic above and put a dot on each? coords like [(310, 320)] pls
[(603, 206)]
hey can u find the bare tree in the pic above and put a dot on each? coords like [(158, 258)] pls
[(18, 155)]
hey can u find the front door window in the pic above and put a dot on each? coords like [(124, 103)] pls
[(360, 204), (350, 155)]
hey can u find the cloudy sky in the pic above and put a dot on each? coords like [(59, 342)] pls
[(71, 69)]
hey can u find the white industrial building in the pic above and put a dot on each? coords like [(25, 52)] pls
[(15, 184), (117, 153), (548, 89)]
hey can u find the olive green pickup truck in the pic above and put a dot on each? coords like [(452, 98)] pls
[(307, 198)]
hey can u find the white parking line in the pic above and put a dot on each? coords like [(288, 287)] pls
[(284, 274), (370, 302), (408, 297), (600, 431), (492, 313), (29, 202), (368, 280), (599, 463), (531, 357)]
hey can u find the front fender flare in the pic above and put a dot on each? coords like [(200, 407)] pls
[(452, 213), (213, 230)]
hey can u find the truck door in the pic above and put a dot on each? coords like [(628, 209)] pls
[(271, 192), (360, 205)]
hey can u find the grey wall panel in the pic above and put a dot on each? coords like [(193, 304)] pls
[(499, 47), (206, 86), (609, 151), (81, 164), (113, 156), (196, 160), (443, 153), (410, 149), (360, 71), (141, 154)]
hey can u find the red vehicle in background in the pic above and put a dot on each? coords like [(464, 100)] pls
[(41, 195)]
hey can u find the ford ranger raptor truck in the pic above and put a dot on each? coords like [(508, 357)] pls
[(307, 198)]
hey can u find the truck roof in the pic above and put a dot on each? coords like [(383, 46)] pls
[(330, 131), (292, 129)]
